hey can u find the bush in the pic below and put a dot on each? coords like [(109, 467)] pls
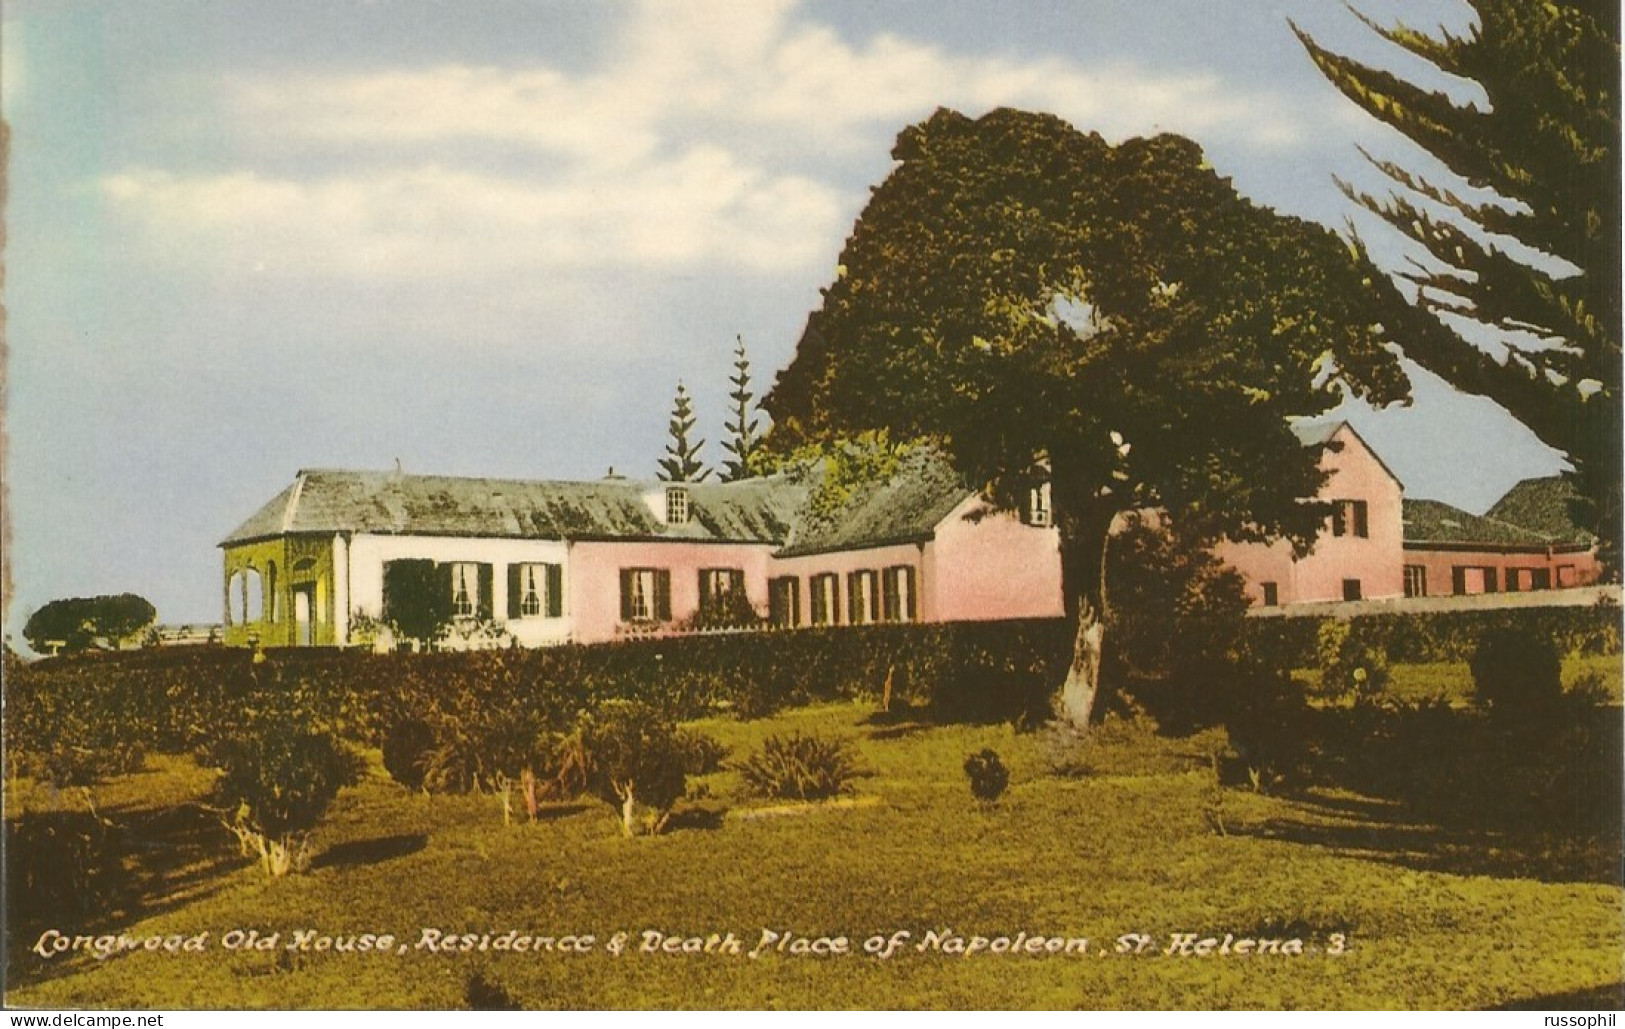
[(1351, 666), (76, 623), (1516, 676), (800, 767), (406, 752), (280, 773), (987, 774), (635, 760), (1270, 725)]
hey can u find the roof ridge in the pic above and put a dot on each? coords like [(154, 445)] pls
[(293, 501)]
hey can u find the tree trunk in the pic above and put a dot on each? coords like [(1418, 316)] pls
[(1085, 526)]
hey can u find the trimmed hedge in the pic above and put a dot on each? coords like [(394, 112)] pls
[(1419, 638), (175, 700)]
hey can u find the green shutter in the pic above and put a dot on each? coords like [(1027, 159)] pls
[(736, 581), (705, 590), (486, 576), (891, 606), (852, 613), (555, 591), (662, 595), (513, 592), (913, 612), (626, 594)]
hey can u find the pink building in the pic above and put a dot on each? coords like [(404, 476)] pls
[(549, 562), (1359, 553), (1527, 541), (537, 563)]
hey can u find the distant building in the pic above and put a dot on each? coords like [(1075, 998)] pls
[(550, 562), (1526, 541), (539, 562), (1358, 555)]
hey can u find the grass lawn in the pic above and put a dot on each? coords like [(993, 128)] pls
[(1453, 680), (1121, 840)]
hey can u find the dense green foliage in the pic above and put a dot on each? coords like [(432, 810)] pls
[(418, 600), (636, 760), (281, 767), (76, 623), (1517, 678), (800, 766), (1416, 638), (1115, 320), (1543, 154)]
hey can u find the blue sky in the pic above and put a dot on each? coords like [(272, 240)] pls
[(489, 238)]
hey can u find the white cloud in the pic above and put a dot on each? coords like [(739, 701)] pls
[(690, 143), (701, 206)]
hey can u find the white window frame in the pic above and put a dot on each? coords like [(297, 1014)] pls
[(643, 594), (677, 508), (1039, 512), (465, 589), (532, 590)]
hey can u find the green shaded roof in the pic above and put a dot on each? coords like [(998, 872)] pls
[(905, 508), (391, 503), (1542, 506), (1434, 521)]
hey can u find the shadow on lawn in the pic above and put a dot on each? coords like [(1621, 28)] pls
[(1605, 998), (78, 873), (370, 852), (1385, 831)]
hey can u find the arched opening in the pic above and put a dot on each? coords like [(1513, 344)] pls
[(253, 595), (234, 599)]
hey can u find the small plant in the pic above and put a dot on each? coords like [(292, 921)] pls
[(633, 758), (800, 767), (278, 780), (987, 774), (406, 752), (1350, 666)]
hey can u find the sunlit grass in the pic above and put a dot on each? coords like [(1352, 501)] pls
[(1097, 838)]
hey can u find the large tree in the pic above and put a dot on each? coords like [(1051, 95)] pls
[(1518, 296), (76, 623), (1114, 320)]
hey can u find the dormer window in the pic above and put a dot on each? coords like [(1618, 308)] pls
[(1038, 505), (676, 505)]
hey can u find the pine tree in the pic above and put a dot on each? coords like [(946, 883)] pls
[(1544, 151), (745, 441), (682, 462)]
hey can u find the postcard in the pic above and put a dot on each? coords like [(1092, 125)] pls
[(783, 505)]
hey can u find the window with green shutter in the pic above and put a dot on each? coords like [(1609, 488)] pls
[(645, 595)]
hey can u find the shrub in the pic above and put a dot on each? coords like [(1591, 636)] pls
[(1516, 676), (1271, 727), (76, 622), (406, 752), (1351, 665), (800, 766), (702, 754), (635, 760), (279, 776), (987, 774)]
